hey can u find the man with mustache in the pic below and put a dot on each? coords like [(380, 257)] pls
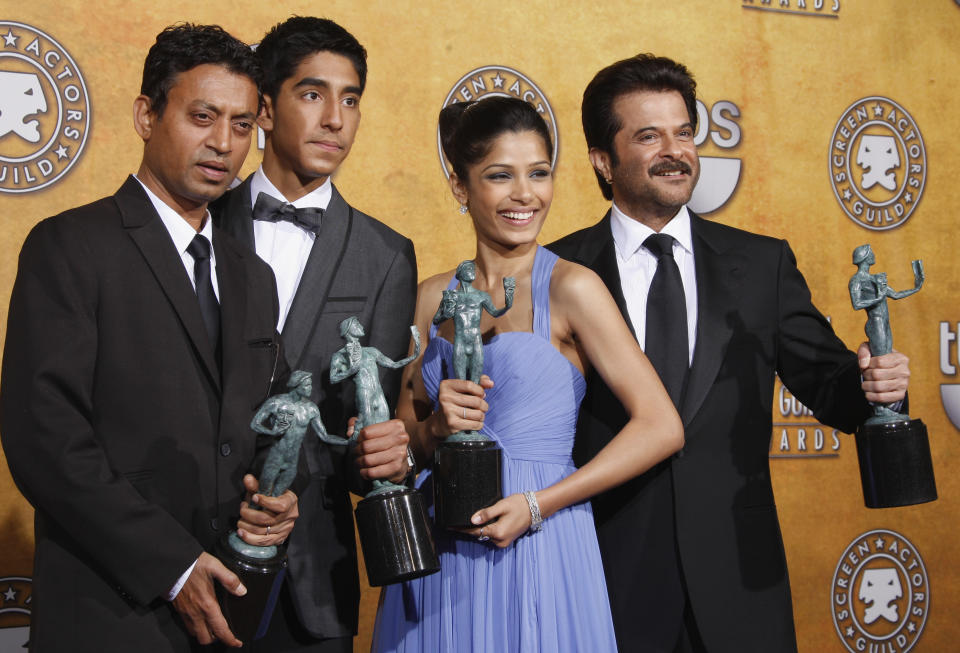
[(140, 339), (331, 261), (692, 551)]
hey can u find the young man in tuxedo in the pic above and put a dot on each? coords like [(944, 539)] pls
[(140, 340), (692, 549), (331, 261)]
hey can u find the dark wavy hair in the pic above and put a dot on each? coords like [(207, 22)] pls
[(286, 46), (185, 46), (644, 72), (468, 129)]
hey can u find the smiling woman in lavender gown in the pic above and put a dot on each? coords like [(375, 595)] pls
[(530, 578)]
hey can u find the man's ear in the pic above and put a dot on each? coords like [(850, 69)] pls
[(143, 117), (601, 163), (458, 188), (265, 119)]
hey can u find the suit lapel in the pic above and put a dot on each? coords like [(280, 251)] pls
[(318, 275), (152, 238), (718, 275)]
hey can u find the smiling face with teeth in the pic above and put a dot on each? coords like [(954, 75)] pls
[(654, 164), (195, 148), (509, 190)]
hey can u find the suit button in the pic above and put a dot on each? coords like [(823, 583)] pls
[(225, 449), (213, 524)]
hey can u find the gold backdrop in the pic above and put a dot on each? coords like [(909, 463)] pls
[(776, 79)]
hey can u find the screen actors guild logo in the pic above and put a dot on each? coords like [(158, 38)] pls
[(15, 598), (504, 82), (880, 594), (44, 109), (878, 163)]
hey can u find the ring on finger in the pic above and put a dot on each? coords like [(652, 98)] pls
[(268, 530), (482, 537), (464, 412)]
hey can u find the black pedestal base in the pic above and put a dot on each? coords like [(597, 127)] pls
[(466, 478), (895, 465), (249, 615), (395, 537)]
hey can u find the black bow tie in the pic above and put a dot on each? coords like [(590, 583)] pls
[(273, 210)]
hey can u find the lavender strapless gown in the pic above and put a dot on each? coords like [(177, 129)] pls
[(546, 591)]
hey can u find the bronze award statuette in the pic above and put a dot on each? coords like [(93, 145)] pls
[(467, 465), (893, 450), (261, 568), (392, 519)]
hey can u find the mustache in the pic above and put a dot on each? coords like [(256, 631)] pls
[(671, 166)]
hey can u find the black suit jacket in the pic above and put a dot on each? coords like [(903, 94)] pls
[(357, 266), (116, 423), (755, 320)]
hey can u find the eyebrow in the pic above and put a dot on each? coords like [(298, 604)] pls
[(507, 165), (318, 81), (202, 104), (686, 125)]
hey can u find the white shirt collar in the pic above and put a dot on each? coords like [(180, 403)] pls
[(629, 234), (318, 198), (179, 229)]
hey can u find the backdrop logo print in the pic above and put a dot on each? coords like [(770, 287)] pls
[(880, 595), (796, 432), (719, 176), (816, 8), (950, 392), (878, 164), (44, 109), (504, 82), (15, 598)]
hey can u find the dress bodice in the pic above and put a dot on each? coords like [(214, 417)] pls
[(537, 392)]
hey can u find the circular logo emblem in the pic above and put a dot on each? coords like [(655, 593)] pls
[(505, 82), (878, 164), (880, 595), (44, 109), (15, 598)]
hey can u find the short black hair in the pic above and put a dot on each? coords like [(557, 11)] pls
[(185, 46), (285, 47), (643, 72), (468, 129)]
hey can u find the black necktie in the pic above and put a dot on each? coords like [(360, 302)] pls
[(666, 337), (273, 210), (199, 249)]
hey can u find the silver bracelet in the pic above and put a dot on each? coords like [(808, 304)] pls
[(536, 520)]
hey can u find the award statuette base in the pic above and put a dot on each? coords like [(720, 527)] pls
[(395, 537), (466, 478), (895, 464), (249, 615)]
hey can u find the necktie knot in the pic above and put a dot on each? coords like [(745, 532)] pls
[(199, 248), (271, 209), (659, 245)]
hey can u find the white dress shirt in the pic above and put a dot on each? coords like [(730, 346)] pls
[(283, 245), (637, 267), (182, 234)]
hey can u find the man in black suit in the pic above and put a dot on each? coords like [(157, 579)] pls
[(331, 262), (692, 549), (134, 359)]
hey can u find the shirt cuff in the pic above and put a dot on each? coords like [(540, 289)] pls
[(172, 594)]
